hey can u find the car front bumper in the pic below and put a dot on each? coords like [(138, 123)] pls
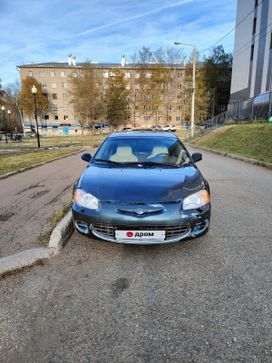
[(176, 223)]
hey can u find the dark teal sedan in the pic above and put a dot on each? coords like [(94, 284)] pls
[(142, 188)]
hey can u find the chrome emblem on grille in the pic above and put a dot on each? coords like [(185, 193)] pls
[(140, 211)]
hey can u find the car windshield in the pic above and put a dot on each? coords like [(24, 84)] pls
[(149, 151)]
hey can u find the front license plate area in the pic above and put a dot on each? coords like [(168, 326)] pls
[(132, 235)]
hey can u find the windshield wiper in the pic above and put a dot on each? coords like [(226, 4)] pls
[(185, 164), (153, 163), (144, 163), (117, 162)]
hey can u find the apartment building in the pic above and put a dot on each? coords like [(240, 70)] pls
[(61, 119), (252, 56)]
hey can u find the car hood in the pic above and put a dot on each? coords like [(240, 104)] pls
[(141, 185)]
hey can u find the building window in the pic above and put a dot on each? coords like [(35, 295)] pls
[(54, 85), (179, 75), (56, 117), (64, 95), (65, 117), (74, 75), (54, 96), (106, 74), (178, 97), (30, 73), (127, 75), (137, 75), (42, 73), (254, 25), (177, 118), (62, 74), (44, 85), (179, 86), (54, 107), (64, 85), (52, 73), (252, 52)]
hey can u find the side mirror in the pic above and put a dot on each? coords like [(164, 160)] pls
[(86, 157), (196, 157)]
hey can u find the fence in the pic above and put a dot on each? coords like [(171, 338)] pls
[(255, 108)]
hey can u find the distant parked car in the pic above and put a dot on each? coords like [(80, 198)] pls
[(17, 136), (167, 128), (173, 128), (30, 134), (157, 128), (126, 129)]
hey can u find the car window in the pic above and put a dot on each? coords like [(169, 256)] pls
[(141, 150)]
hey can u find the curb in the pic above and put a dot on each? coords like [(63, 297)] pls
[(3, 176), (24, 259), (265, 164), (62, 232), (58, 238)]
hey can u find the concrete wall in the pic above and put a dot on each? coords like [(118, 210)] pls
[(250, 77)]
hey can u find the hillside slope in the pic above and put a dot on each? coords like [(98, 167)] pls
[(250, 140)]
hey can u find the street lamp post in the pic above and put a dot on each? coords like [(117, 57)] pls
[(34, 92), (193, 86), (10, 126), (3, 108)]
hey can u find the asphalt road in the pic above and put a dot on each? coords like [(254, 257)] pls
[(29, 199), (205, 300)]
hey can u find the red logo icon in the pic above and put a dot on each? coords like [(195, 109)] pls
[(129, 234)]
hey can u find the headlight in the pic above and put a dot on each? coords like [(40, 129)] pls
[(86, 200), (196, 200)]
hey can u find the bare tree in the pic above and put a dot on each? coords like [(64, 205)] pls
[(151, 83), (87, 94), (116, 98), (11, 98)]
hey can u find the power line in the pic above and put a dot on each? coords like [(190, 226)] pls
[(236, 26), (260, 38), (250, 41)]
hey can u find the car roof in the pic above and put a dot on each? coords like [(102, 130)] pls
[(142, 134)]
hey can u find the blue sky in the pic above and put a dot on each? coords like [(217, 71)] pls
[(42, 31)]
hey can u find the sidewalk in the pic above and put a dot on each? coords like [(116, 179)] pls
[(29, 199)]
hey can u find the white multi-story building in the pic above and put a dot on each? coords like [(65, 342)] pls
[(252, 56)]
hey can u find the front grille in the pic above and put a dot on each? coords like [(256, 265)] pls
[(171, 232)]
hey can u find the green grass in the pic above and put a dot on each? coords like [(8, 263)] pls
[(51, 141), (56, 217), (250, 140), (13, 162)]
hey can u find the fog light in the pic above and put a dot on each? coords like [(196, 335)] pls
[(82, 227), (200, 227)]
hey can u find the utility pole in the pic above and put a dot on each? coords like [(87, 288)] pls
[(3, 108), (193, 94), (34, 92)]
